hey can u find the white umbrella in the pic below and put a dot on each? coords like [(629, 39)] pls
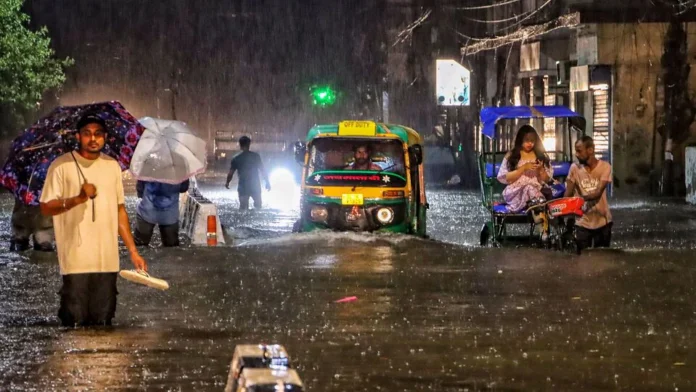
[(167, 152)]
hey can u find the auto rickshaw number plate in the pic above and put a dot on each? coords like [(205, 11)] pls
[(352, 199)]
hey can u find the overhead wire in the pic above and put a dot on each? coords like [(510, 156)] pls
[(520, 34), (519, 22), (515, 17), (525, 33), (483, 7), (408, 31)]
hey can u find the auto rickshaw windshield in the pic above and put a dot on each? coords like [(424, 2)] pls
[(331, 154)]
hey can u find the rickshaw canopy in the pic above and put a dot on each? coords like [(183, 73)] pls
[(491, 115)]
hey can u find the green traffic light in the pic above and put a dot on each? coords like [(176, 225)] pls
[(323, 95)]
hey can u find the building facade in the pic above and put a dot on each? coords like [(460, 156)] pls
[(606, 60)]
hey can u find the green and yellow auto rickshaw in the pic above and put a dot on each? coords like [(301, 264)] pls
[(362, 176)]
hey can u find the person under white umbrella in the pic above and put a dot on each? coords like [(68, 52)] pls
[(167, 155)]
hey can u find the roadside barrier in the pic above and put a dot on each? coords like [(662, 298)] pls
[(199, 219)]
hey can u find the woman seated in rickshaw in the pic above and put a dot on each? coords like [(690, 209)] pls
[(525, 170)]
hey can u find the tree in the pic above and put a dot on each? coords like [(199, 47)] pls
[(28, 67)]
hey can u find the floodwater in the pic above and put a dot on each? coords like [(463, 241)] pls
[(431, 315)]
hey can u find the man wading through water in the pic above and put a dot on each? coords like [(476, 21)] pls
[(590, 180), (83, 193), (249, 165)]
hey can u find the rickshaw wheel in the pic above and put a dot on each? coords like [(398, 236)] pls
[(485, 234), (571, 243)]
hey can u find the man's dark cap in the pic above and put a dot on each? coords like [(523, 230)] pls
[(91, 118)]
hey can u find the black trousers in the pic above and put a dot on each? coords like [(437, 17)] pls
[(597, 238), (244, 200), (143, 233), (88, 299)]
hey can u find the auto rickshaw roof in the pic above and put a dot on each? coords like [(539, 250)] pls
[(491, 115), (406, 134), (258, 350)]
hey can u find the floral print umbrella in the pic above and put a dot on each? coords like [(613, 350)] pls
[(53, 135)]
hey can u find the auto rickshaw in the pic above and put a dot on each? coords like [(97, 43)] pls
[(385, 193), (568, 127)]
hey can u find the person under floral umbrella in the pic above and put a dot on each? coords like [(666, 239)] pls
[(83, 192), (39, 145), (34, 150)]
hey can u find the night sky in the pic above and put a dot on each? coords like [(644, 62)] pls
[(239, 65)]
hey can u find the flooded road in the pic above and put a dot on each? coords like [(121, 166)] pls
[(439, 314)]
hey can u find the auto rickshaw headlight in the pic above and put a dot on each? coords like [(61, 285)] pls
[(319, 214), (385, 215)]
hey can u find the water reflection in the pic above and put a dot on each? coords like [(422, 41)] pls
[(429, 315), (360, 259), (95, 359)]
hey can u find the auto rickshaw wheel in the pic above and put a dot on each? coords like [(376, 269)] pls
[(297, 226)]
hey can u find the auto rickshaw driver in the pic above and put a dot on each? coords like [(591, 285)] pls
[(363, 159)]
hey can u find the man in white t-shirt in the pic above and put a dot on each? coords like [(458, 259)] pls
[(83, 193)]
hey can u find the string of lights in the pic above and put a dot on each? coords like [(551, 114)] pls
[(408, 31), (523, 34), (519, 22), (686, 5), (680, 6)]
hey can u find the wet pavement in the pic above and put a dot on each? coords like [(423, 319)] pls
[(439, 314)]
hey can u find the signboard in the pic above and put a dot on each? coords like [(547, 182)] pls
[(452, 83), (587, 50), (357, 128), (579, 78), (530, 55), (365, 178)]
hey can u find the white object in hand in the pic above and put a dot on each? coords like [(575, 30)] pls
[(143, 277)]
